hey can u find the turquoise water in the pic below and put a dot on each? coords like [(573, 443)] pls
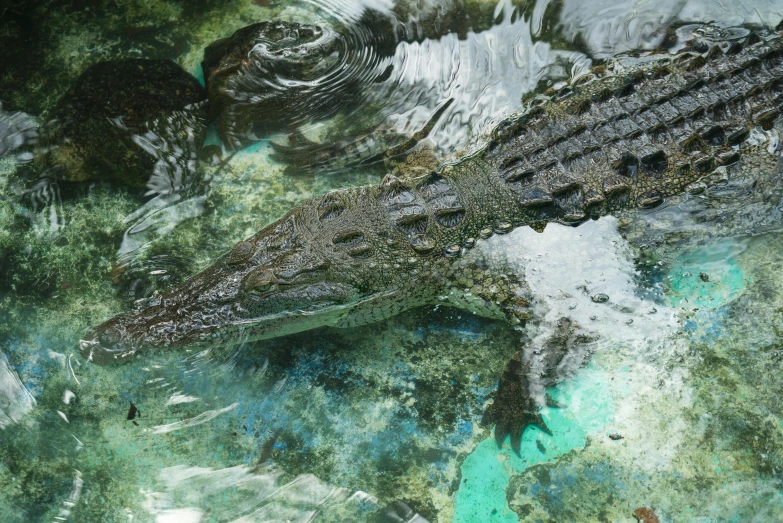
[(676, 408)]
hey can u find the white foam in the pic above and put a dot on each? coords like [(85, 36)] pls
[(568, 267), (265, 498)]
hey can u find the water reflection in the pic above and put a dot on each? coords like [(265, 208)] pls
[(15, 399), (17, 130), (482, 61), (258, 495), (399, 69)]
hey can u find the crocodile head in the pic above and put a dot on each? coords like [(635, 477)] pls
[(275, 283)]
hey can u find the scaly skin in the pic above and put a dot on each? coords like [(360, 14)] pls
[(361, 255)]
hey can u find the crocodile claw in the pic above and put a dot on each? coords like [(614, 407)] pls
[(552, 403), (514, 409), (524, 379)]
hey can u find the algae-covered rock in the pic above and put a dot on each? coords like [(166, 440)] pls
[(132, 120), (273, 76)]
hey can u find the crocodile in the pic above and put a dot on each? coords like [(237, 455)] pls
[(672, 124)]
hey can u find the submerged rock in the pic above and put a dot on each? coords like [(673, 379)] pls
[(646, 515), (273, 76), (139, 121)]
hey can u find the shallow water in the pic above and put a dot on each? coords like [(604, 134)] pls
[(338, 425)]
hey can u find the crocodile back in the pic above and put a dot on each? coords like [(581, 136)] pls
[(673, 124), (632, 139)]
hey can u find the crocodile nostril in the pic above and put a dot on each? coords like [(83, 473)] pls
[(86, 345)]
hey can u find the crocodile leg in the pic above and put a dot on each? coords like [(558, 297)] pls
[(513, 408), (542, 362), (304, 157), (487, 283)]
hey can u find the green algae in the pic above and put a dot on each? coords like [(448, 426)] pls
[(340, 451)]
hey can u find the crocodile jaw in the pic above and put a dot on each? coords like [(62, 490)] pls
[(121, 338)]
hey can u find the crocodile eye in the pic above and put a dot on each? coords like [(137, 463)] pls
[(241, 253), (262, 288), (259, 282)]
